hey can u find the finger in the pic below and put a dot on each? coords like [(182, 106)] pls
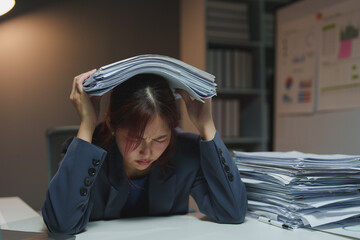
[(78, 81), (88, 74), (73, 90), (95, 99), (81, 79), (207, 100), (184, 94)]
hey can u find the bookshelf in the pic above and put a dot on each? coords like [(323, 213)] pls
[(233, 39)]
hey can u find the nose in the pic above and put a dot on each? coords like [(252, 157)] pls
[(145, 149)]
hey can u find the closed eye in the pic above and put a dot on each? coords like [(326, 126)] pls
[(161, 139)]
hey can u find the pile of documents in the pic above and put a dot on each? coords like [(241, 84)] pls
[(299, 189), (197, 83)]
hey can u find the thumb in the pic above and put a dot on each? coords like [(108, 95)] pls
[(184, 94)]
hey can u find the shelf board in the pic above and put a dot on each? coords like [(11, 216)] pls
[(264, 1), (279, 1), (243, 140), (218, 41), (232, 91)]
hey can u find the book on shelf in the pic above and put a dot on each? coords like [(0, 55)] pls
[(226, 114), (227, 20), (269, 26), (226, 15), (227, 6), (233, 68), (227, 34), (227, 25)]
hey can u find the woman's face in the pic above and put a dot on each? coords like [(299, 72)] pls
[(156, 138)]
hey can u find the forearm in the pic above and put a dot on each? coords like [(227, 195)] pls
[(221, 193), (86, 131), (207, 131), (67, 207)]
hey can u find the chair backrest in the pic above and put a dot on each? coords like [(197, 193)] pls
[(55, 137)]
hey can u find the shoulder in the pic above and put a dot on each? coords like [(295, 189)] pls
[(76, 142), (187, 147), (187, 139)]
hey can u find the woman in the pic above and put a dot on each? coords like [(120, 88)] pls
[(137, 164)]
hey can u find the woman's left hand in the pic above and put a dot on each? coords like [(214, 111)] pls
[(200, 114)]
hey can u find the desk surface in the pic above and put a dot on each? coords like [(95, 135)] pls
[(17, 215)]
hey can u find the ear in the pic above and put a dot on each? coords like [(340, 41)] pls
[(108, 125)]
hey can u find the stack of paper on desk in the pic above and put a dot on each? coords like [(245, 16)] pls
[(301, 190), (197, 83)]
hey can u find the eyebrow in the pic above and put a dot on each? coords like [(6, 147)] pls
[(160, 137)]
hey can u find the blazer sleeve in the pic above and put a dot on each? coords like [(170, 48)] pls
[(67, 207), (218, 189)]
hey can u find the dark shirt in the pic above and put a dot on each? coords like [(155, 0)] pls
[(137, 202)]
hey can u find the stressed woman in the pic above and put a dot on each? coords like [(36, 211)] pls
[(138, 163)]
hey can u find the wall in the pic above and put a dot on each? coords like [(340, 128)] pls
[(319, 132), (40, 53)]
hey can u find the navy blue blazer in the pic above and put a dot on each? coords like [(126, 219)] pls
[(91, 185)]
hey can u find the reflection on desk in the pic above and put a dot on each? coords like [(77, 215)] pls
[(11, 235), (191, 227), (17, 215)]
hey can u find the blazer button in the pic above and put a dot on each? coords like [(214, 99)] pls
[(223, 160), (227, 169), (96, 162), (230, 177), (92, 171), (87, 181), (83, 191)]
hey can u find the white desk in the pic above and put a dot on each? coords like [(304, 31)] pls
[(17, 215), (190, 227)]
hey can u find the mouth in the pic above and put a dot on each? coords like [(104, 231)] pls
[(143, 162)]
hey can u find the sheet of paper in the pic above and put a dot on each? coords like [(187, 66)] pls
[(349, 228)]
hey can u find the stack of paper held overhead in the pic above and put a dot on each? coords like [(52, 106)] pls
[(301, 190), (197, 83)]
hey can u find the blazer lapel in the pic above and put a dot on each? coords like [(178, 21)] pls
[(119, 188), (161, 191), (162, 188)]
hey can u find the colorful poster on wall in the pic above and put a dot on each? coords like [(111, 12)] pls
[(339, 59), (297, 50)]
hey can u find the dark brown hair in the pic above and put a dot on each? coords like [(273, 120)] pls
[(134, 103)]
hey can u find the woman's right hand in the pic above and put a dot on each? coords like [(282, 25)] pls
[(88, 107)]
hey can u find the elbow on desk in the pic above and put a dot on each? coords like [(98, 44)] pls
[(235, 218), (61, 229), (231, 220), (234, 215), (56, 226)]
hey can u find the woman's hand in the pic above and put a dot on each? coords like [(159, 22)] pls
[(200, 114), (87, 107)]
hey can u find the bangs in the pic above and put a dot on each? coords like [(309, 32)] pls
[(136, 122), (133, 105)]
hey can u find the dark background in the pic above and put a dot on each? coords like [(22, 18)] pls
[(44, 44)]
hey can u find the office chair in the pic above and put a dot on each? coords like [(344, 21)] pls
[(55, 137)]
